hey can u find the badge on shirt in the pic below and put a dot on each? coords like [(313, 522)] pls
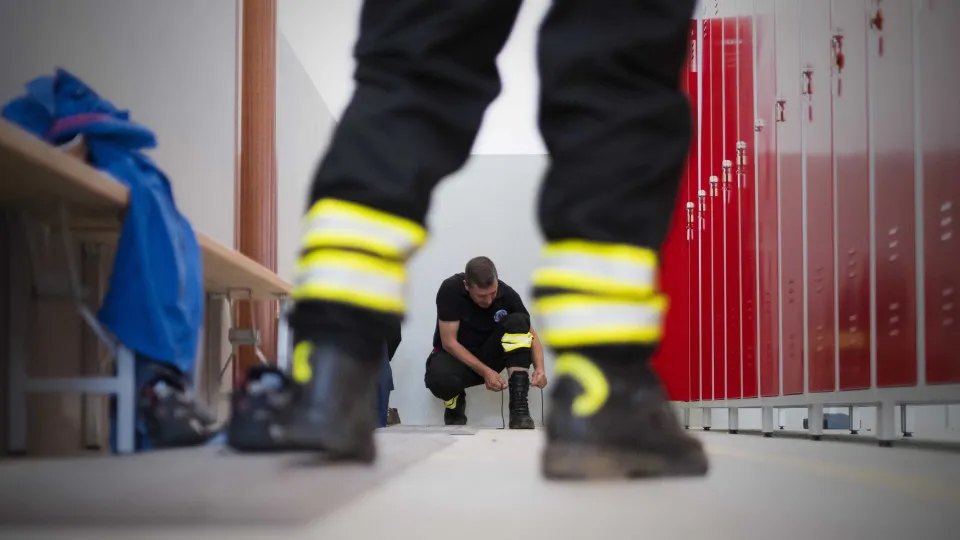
[(500, 314)]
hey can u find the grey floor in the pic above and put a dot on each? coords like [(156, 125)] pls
[(485, 484)]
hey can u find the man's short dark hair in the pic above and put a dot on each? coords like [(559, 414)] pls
[(480, 272)]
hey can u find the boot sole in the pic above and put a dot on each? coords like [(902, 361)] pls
[(564, 461), (306, 439)]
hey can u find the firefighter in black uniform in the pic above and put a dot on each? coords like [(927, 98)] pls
[(617, 128)]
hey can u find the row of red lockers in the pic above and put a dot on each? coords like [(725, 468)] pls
[(822, 93)]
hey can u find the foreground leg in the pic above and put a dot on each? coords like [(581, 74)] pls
[(426, 72), (618, 130)]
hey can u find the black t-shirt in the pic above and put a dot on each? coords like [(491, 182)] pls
[(476, 323)]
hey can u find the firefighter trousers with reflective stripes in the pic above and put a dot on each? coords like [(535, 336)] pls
[(611, 114)]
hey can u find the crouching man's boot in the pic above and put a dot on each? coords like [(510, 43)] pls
[(612, 420), (334, 414), (519, 385)]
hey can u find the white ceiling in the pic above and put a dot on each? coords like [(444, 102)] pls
[(322, 34)]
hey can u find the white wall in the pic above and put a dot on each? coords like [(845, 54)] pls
[(304, 126), (323, 32), (469, 217), (171, 63)]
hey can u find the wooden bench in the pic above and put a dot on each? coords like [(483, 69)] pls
[(46, 187)]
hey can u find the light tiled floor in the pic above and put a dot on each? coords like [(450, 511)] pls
[(488, 486)]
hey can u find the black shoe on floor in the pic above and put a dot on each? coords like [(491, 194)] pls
[(455, 413), (172, 415), (622, 427), (259, 409), (335, 414), (519, 386)]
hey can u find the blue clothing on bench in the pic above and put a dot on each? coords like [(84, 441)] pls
[(154, 301)]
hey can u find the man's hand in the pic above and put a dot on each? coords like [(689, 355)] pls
[(493, 381), (538, 379)]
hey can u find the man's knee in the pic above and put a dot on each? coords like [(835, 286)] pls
[(444, 386), (516, 323)]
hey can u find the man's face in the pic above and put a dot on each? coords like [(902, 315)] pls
[(482, 296)]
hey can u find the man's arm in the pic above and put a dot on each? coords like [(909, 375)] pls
[(448, 338)]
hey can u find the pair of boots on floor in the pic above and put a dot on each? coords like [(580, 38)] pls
[(518, 385)]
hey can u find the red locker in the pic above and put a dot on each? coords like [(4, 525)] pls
[(705, 241), (890, 55), (940, 139), (693, 236), (790, 106), (730, 320), (717, 209), (673, 358), (746, 192), (816, 119), (768, 198), (850, 150)]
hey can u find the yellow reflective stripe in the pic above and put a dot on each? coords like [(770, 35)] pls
[(607, 269), (302, 372), (582, 320), (596, 389), (353, 278), (451, 403), (512, 342), (333, 223)]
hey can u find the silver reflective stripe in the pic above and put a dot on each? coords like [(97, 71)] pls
[(344, 230), (568, 323), (362, 285), (595, 273)]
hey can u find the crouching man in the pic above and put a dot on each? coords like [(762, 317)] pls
[(483, 328)]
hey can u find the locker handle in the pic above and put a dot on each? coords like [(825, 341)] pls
[(742, 163), (839, 59), (690, 218), (781, 109), (727, 186), (876, 23), (702, 196)]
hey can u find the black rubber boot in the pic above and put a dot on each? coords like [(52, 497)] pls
[(259, 409), (335, 414), (519, 386), (633, 433), (172, 415), (455, 413)]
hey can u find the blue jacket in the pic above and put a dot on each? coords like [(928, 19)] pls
[(154, 304)]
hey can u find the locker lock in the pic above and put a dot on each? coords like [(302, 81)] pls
[(741, 154), (714, 186), (758, 125), (702, 196), (690, 207)]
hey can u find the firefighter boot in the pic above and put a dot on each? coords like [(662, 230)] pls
[(613, 421), (519, 386)]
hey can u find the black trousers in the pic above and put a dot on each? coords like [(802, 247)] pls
[(611, 114), (446, 376)]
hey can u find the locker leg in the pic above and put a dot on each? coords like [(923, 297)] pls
[(853, 424), (685, 417), (766, 416), (815, 421), (707, 419), (886, 423), (904, 425), (733, 420)]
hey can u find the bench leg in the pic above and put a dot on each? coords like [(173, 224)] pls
[(126, 400), (18, 317)]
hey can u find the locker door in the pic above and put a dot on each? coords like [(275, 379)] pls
[(705, 244), (850, 150), (731, 319), (791, 194), (816, 122), (747, 192), (672, 360), (717, 210), (890, 57), (939, 74), (693, 233), (768, 200)]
